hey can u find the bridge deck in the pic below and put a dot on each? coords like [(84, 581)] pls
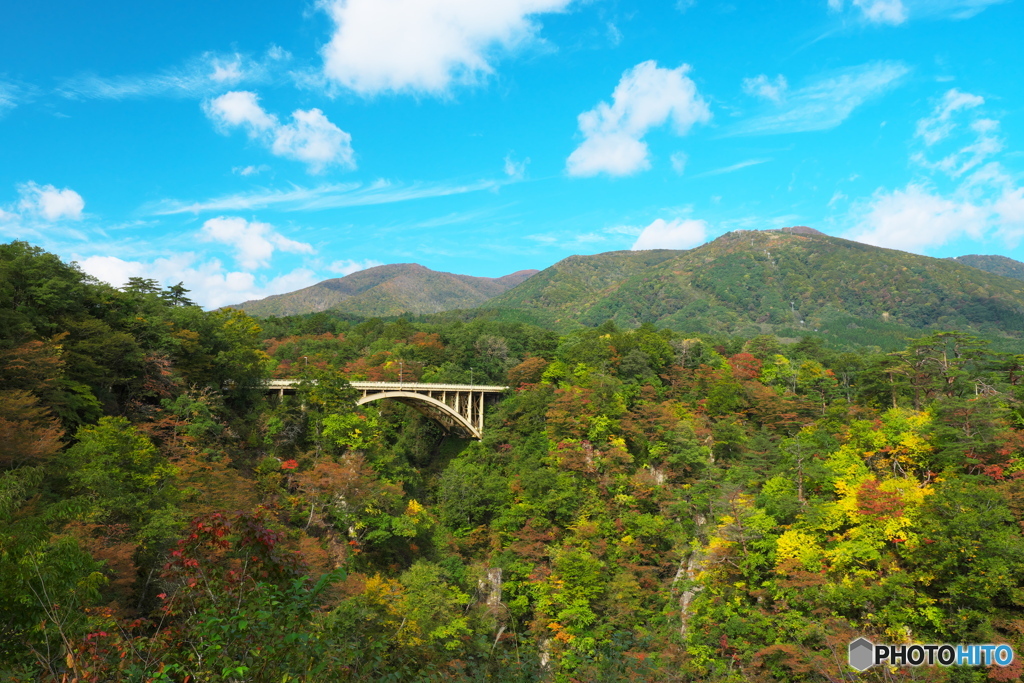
[(399, 386)]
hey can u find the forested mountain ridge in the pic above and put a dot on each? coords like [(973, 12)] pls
[(391, 289), (997, 265), (779, 282)]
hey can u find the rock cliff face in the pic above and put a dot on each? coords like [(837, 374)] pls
[(388, 290)]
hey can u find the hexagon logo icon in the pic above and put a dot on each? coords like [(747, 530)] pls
[(862, 654)]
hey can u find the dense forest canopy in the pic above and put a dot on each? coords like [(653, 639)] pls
[(645, 504)]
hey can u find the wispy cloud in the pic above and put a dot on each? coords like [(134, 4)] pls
[(8, 97), (12, 94), (201, 76), (941, 123), (331, 196), (734, 167), (895, 12), (825, 103), (249, 170), (766, 88), (950, 9)]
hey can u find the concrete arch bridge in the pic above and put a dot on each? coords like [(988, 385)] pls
[(459, 408)]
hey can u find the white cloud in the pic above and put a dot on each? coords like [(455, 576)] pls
[(199, 77), (515, 170), (210, 284), (917, 218), (240, 108), (250, 170), (310, 138), (227, 71), (49, 203), (940, 123), (827, 102), (892, 12), (114, 271), (314, 140), (1009, 212), (882, 11), (424, 45), (679, 160), (347, 266), (254, 243), (675, 234), (647, 96), (762, 86)]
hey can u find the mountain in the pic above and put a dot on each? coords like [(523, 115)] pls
[(388, 290), (558, 294), (785, 282), (997, 265)]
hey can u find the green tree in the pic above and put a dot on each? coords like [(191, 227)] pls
[(124, 478)]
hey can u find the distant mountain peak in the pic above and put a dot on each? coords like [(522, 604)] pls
[(390, 289), (997, 265), (802, 230)]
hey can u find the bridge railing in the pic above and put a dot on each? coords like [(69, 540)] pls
[(398, 386), (430, 386)]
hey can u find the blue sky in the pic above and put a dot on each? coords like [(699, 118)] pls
[(249, 149)]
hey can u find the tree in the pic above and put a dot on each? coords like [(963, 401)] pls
[(29, 434), (175, 295), (942, 363), (123, 477)]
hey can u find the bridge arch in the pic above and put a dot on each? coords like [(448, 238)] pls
[(458, 407), (429, 406)]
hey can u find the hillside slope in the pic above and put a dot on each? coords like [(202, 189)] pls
[(388, 290), (557, 295), (777, 282)]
